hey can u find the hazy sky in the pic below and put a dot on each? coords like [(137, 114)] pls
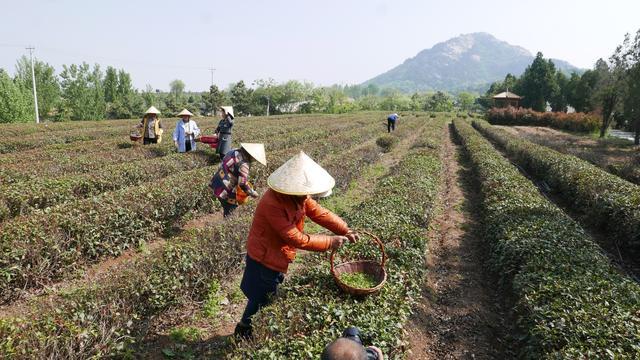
[(327, 42)]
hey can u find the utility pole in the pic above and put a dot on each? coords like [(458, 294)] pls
[(213, 110), (33, 79), (268, 104)]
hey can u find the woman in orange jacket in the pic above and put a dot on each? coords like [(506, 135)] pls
[(277, 230)]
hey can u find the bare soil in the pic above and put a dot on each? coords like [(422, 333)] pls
[(462, 314)]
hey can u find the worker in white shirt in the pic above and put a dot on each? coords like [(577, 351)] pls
[(186, 132)]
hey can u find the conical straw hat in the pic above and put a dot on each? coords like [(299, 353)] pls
[(228, 110), (300, 175), (152, 110), (256, 151), (185, 112)]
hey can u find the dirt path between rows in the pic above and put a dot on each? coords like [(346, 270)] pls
[(461, 315)]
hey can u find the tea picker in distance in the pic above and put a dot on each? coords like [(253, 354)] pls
[(278, 230), (151, 127), (186, 132), (224, 130), (230, 183), (391, 122)]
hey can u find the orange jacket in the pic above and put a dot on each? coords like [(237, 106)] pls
[(278, 229)]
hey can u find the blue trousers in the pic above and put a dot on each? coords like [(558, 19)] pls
[(260, 285)]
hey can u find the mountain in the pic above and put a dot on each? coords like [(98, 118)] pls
[(467, 62)]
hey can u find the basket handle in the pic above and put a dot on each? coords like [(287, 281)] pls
[(374, 238)]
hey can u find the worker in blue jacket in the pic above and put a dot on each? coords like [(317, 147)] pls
[(391, 122)]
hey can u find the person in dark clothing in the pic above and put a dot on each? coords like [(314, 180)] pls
[(350, 347), (224, 130), (391, 122), (233, 173)]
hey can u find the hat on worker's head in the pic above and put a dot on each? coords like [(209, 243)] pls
[(228, 110), (152, 110), (300, 175), (185, 112), (256, 151)]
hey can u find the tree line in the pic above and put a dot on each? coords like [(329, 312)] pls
[(610, 89), (85, 92)]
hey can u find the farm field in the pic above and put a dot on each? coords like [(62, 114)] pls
[(617, 156), (114, 250)]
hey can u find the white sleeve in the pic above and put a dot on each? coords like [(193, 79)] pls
[(196, 130)]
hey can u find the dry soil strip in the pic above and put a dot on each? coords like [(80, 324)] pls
[(461, 315)]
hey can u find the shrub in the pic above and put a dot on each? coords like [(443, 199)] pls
[(571, 303), (387, 142), (105, 318), (609, 201), (580, 122), (312, 311)]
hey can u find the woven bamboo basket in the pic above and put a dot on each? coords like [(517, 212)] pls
[(370, 267)]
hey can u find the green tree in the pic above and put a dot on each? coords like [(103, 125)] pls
[(439, 101), (47, 85), (82, 92), (125, 85), (111, 85), (241, 98), (465, 101), (607, 93), (626, 72), (538, 83), (559, 96), (395, 101), (149, 96), (580, 90), (15, 104), (213, 99), (176, 90)]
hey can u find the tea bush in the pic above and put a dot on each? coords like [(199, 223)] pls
[(311, 311), (107, 317), (570, 302), (40, 193), (564, 121), (387, 142), (607, 200)]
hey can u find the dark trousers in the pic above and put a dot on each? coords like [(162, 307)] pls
[(391, 125), (260, 285), (227, 208), (147, 141), (187, 145)]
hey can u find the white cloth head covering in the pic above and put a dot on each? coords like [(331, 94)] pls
[(300, 175), (185, 112), (228, 110), (256, 151), (152, 110)]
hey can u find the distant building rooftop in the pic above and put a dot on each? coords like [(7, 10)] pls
[(507, 95)]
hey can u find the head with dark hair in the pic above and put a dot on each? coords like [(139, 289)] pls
[(344, 349)]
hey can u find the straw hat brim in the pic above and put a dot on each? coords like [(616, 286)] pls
[(152, 110), (256, 151), (185, 112), (228, 110), (300, 175)]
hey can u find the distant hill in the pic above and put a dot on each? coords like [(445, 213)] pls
[(467, 62)]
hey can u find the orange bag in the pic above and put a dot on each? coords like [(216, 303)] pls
[(241, 196)]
